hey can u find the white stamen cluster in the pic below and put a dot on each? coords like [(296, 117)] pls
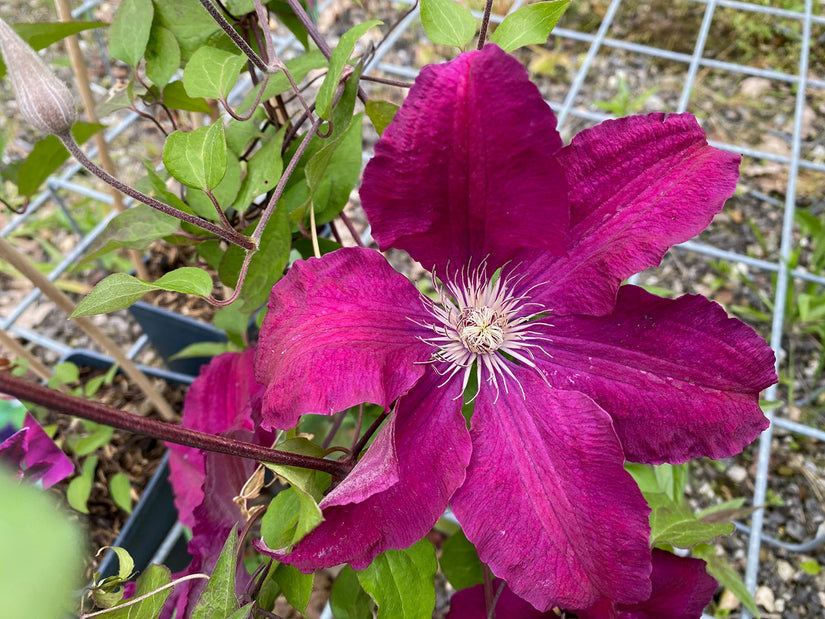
[(480, 321)]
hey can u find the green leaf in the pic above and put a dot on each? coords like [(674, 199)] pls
[(401, 582), (218, 599), (239, 133), (81, 486), (447, 23), (242, 613), (348, 599), (676, 525), (212, 73), (644, 477), (121, 491), (47, 156), (338, 60), (129, 32), (197, 158), (263, 171), (188, 280), (721, 570), (278, 83), (125, 562), (41, 553), (225, 193), (100, 436), (162, 56), (64, 374), (135, 228), (152, 579), (202, 349), (267, 265), (810, 567), (119, 291), (333, 171), (460, 563), (381, 114), (310, 481), (296, 587), (529, 25), (672, 479), (192, 26), (175, 97), (153, 185), (114, 292), (290, 516)]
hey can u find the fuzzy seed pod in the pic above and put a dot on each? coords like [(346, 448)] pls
[(43, 100)]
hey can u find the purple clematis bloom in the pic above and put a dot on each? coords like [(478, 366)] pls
[(34, 455), (224, 399), (530, 241), (681, 590)]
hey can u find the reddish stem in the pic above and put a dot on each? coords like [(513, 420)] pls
[(100, 413)]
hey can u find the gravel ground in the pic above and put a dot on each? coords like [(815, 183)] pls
[(751, 111)]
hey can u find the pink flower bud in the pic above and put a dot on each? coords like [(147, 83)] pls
[(43, 100)]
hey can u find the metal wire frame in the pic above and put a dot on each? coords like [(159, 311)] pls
[(566, 109)]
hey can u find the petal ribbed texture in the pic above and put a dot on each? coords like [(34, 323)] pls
[(547, 502), (340, 331), (466, 169), (679, 377), (638, 186)]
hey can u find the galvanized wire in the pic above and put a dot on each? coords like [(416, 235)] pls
[(567, 109)]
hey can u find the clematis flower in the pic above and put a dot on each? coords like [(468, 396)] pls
[(529, 241), (224, 399), (681, 590), (34, 455)]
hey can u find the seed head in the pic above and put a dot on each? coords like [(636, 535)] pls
[(43, 100)]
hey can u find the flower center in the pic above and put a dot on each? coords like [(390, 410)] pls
[(484, 323), (482, 329)]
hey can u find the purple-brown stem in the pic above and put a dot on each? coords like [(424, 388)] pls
[(230, 235), (279, 189), (356, 449), (100, 413), (485, 21), (489, 603), (236, 38)]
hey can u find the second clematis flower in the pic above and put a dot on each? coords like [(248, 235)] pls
[(529, 241)]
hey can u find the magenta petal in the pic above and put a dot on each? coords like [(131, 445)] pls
[(679, 378), (221, 398), (340, 331), (466, 169), (638, 186), (433, 448), (35, 455), (547, 502), (681, 590), (470, 604)]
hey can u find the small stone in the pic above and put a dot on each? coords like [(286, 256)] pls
[(795, 530), (728, 601), (784, 570), (737, 474), (821, 595), (765, 598), (779, 605), (754, 87)]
